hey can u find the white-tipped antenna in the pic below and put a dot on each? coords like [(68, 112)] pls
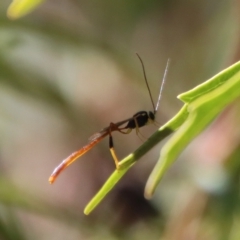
[(161, 88)]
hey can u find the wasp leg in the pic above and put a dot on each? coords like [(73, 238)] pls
[(113, 153), (157, 124), (141, 137), (111, 146), (127, 132)]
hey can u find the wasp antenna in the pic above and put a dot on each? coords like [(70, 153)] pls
[(161, 88), (145, 78)]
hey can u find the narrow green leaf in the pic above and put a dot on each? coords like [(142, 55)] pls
[(202, 111), (19, 8), (210, 84), (111, 182)]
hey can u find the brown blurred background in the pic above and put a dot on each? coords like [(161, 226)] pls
[(69, 69)]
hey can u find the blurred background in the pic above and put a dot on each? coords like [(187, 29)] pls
[(67, 70)]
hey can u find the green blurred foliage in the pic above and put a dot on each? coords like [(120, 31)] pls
[(67, 70), (20, 8)]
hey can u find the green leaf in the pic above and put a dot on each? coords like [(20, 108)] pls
[(19, 8), (205, 102), (210, 84), (202, 105)]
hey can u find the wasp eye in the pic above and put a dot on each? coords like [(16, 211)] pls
[(151, 115)]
